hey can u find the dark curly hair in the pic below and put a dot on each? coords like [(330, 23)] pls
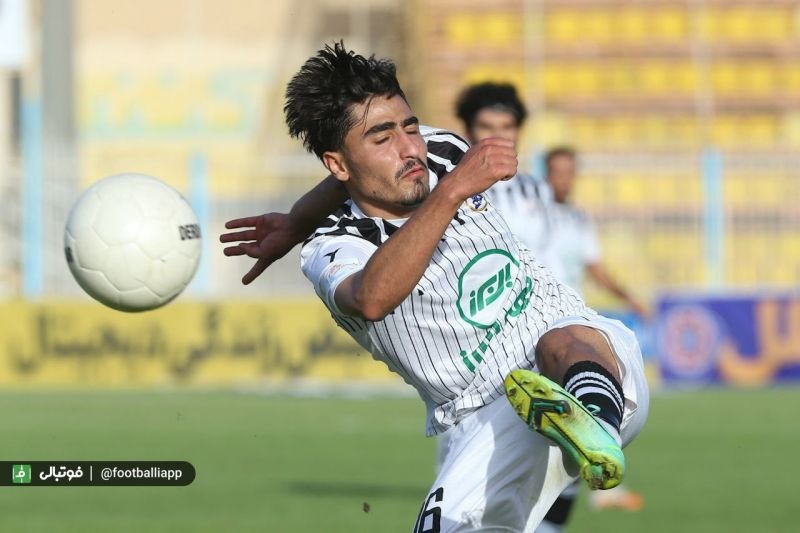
[(501, 96), (320, 95), (559, 151)]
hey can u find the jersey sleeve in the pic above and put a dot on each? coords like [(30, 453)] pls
[(445, 151), (327, 261)]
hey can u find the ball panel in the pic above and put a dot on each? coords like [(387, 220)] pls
[(118, 222), (141, 299), (83, 213), (97, 286), (155, 199), (156, 237), (127, 267), (89, 250), (171, 274)]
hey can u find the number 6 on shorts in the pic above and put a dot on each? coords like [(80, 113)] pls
[(433, 525)]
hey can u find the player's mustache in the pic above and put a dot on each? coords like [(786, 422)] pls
[(410, 164)]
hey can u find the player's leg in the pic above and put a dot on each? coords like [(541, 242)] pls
[(629, 365), (584, 415), (496, 476), (598, 363), (559, 513), (442, 445)]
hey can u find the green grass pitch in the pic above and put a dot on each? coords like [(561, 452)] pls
[(709, 461)]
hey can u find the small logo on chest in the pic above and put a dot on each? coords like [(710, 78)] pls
[(477, 202)]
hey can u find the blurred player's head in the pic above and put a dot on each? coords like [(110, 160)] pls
[(561, 172), (351, 112), (491, 110)]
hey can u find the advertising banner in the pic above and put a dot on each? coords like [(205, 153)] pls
[(185, 343), (748, 340)]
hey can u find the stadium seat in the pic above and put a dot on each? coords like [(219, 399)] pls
[(585, 79), (631, 23), (598, 25), (458, 29), (669, 24), (738, 24), (725, 78), (759, 130), (737, 190), (760, 78), (619, 78), (654, 78), (509, 72), (499, 28), (562, 26), (590, 191)]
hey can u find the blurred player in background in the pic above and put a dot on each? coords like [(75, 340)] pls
[(540, 213), (573, 249), (495, 110), (424, 273)]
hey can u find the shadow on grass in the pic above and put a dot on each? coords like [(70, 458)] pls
[(348, 489)]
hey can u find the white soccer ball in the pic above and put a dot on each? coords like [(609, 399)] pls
[(132, 242)]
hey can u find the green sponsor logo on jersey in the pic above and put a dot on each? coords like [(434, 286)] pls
[(483, 286)]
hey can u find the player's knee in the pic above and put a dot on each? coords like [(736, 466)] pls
[(551, 348), (560, 347)]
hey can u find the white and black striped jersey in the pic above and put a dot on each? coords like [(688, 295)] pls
[(476, 314), (523, 201), (573, 243), (560, 235)]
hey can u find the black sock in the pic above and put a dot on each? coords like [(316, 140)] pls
[(597, 390), (559, 512)]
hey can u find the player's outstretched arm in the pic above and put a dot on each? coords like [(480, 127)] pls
[(603, 277), (397, 266), (269, 237)]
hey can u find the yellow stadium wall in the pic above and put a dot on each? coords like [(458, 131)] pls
[(82, 344)]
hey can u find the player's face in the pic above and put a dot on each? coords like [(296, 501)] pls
[(383, 162), (561, 174), (490, 122)]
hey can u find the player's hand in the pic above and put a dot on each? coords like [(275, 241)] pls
[(483, 165), (265, 238), (642, 311)]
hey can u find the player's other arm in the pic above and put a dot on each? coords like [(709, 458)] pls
[(593, 265), (602, 277), (269, 237), (398, 264)]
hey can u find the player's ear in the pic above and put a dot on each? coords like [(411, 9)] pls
[(335, 163)]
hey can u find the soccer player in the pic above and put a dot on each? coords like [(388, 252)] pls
[(422, 271), (540, 214), (574, 249), (489, 110)]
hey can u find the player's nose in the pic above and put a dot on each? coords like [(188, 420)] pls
[(411, 146)]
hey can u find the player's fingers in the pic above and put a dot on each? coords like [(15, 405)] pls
[(233, 250), (260, 266), (505, 165), (242, 222), (247, 235), (505, 157), (499, 142), (251, 248)]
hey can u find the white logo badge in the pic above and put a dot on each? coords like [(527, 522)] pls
[(477, 202)]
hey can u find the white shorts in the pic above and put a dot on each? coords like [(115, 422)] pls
[(498, 475)]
